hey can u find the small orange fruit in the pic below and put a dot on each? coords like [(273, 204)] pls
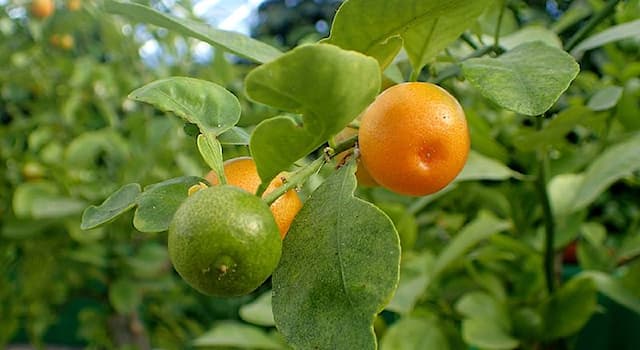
[(242, 172), (74, 5), (67, 42), (414, 138), (42, 8), (362, 174)]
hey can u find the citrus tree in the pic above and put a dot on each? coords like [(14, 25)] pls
[(489, 139)]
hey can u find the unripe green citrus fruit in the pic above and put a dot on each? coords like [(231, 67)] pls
[(224, 241)]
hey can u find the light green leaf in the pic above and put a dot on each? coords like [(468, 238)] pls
[(614, 289), (236, 43), (616, 162), (119, 202), (234, 136), (327, 85), (259, 311), (339, 268), (482, 306), (56, 207), (528, 79), (528, 34), (611, 34), (124, 296), (415, 273), (480, 167), (605, 98), (237, 336), (208, 105), (27, 194), (379, 28), (569, 308), (413, 333), (560, 189), (211, 150), (487, 335), (476, 231), (158, 203)]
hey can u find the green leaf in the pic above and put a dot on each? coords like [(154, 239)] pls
[(327, 85), (414, 333), (569, 308), (208, 105), (558, 188), (237, 336), (415, 274), (236, 43), (476, 231), (379, 28), (480, 167), (605, 98), (27, 194), (234, 136), (611, 34), (151, 260), (482, 306), (528, 79), (259, 311), (613, 289), (158, 203), (124, 296), (339, 268), (528, 34), (616, 162), (554, 132), (487, 335), (211, 150), (119, 202), (56, 207)]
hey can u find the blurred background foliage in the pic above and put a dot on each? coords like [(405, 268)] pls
[(69, 137)]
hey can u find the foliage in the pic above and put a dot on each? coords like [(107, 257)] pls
[(551, 98)]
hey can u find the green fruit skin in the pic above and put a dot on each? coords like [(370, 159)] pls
[(224, 241)]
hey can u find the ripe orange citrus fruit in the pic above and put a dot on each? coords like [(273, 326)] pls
[(224, 241), (362, 174), (42, 8), (414, 138), (242, 172)]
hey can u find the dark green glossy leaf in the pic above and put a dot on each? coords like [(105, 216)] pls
[(208, 105), (569, 308), (339, 268), (327, 85), (118, 203), (236, 43), (158, 203), (528, 79), (379, 28)]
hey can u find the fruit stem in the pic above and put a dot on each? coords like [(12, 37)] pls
[(549, 222), (296, 179), (591, 24)]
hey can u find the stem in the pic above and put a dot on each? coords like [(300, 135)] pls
[(454, 70), (467, 39), (296, 179), (496, 37), (549, 222), (591, 24)]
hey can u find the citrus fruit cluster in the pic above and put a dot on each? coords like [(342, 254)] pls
[(413, 139), (226, 241)]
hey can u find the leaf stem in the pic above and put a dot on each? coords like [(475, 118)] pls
[(591, 24), (296, 179), (454, 70), (496, 36), (549, 222)]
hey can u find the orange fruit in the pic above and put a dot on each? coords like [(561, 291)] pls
[(242, 172), (362, 174), (414, 138), (42, 8), (67, 42), (74, 5)]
